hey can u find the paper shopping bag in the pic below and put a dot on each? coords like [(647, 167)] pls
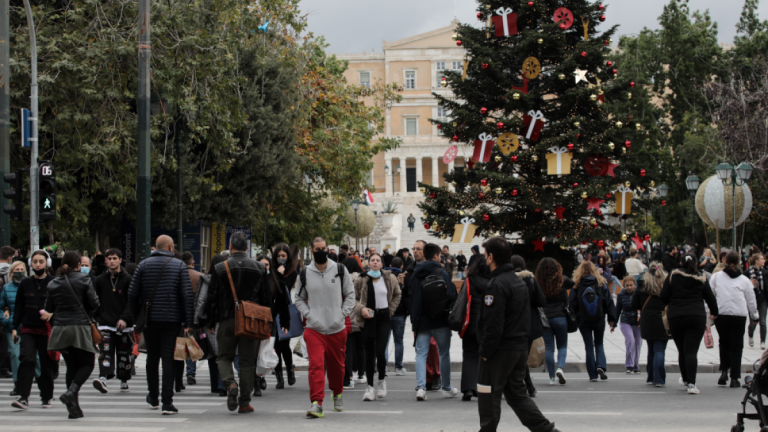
[(193, 349), (180, 352), (536, 356)]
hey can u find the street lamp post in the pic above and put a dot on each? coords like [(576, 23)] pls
[(734, 176), (386, 170), (308, 180), (355, 205), (144, 173), (663, 190), (692, 183)]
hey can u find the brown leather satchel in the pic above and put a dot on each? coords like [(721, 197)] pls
[(252, 321)]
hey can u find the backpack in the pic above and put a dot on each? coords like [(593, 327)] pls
[(590, 304), (434, 296)]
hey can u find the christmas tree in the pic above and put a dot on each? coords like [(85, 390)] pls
[(549, 121)]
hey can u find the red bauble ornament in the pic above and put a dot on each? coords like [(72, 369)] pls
[(602, 18), (632, 84), (480, 16), (458, 43), (432, 195), (483, 110), (600, 7), (562, 26), (642, 173), (480, 195), (530, 4), (647, 237), (538, 210), (615, 71), (607, 43), (570, 146), (608, 196), (610, 64), (575, 185), (486, 217), (583, 53), (663, 202), (500, 125), (456, 138), (513, 158), (483, 182), (515, 192), (427, 226), (627, 143), (485, 65), (599, 212), (578, 136), (601, 243), (438, 127)]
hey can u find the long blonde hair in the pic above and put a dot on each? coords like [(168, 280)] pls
[(586, 268), (654, 278)]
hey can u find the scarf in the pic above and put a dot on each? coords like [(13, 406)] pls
[(732, 272)]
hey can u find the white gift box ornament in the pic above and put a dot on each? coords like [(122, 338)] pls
[(624, 200), (558, 161), (464, 232)]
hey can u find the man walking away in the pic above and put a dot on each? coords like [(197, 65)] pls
[(326, 297), (502, 332), (162, 281), (115, 323), (432, 294), (247, 276), (194, 279)]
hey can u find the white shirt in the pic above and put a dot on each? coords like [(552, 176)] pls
[(735, 297), (634, 266), (380, 289)]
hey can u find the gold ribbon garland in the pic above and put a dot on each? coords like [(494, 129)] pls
[(585, 24)]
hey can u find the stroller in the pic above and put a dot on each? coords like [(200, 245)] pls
[(757, 386)]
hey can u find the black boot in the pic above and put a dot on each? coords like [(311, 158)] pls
[(467, 396), (279, 375), (256, 389), (735, 383), (15, 391), (723, 378), (263, 383), (69, 399), (291, 374)]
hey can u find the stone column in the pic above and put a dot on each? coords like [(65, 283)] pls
[(450, 169), (403, 180), (387, 180), (419, 170), (435, 173)]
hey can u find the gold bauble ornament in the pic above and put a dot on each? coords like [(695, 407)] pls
[(455, 37), (534, 158), (453, 183), (561, 77), (498, 191), (592, 221), (624, 237), (629, 95), (615, 76), (516, 96), (443, 236), (422, 189), (611, 146), (619, 124), (584, 194), (455, 124), (444, 84), (627, 183), (624, 150), (652, 184), (638, 126), (497, 158), (593, 98), (576, 124), (487, 6), (540, 41)]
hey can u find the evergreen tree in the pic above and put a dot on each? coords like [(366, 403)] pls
[(553, 62)]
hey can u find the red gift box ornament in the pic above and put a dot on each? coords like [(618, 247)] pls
[(483, 146), (500, 125), (524, 88), (570, 146), (480, 195), (610, 64), (533, 123), (628, 143), (456, 138), (513, 158), (505, 22)]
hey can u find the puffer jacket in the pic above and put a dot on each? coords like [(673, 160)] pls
[(537, 301), (361, 295), (249, 278), (64, 306), (685, 295), (8, 301), (624, 309), (173, 299)]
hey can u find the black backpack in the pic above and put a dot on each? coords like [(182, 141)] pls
[(434, 296), (590, 303)]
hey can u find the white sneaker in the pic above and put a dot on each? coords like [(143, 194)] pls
[(560, 376), (681, 382), (751, 342), (100, 384), (400, 372), (762, 345), (552, 381), (450, 393), (692, 389), (370, 394), (421, 395), (381, 389), (361, 381)]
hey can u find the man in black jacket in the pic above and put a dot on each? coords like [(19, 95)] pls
[(115, 323), (162, 281), (503, 328), (670, 260), (247, 276)]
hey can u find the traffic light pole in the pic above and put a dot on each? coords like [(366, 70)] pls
[(34, 229), (144, 178), (5, 115)]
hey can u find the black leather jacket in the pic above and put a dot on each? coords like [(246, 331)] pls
[(248, 276), (505, 316), (63, 305)]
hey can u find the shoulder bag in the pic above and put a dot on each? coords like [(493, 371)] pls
[(252, 321), (142, 320), (570, 316), (95, 332)]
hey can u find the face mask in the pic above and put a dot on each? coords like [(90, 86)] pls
[(39, 272), (320, 257), (281, 261), (17, 276), (85, 270), (374, 274)]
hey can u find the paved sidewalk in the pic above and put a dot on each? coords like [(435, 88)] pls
[(615, 352)]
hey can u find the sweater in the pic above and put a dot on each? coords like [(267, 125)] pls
[(29, 301), (113, 299), (734, 293), (634, 266), (686, 293), (651, 321)]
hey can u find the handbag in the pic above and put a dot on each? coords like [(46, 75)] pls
[(252, 321), (297, 322), (95, 332), (544, 320), (458, 318), (142, 320), (570, 317)]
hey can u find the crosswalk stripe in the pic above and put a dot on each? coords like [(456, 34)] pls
[(98, 419), (121, 410), (344, 412), (58, 428)]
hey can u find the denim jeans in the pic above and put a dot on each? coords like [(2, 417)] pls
[(191, 368), (460, 274), (655, 368), (558, 331), (443, 339), (397, 323), (616, 282), (593, 343)]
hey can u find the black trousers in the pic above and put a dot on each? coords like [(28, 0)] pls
[(505, 373), (115, 353), (161, 344), (376, 338), (687, 332), (284, 355), (5, 355), (31, 347), (470, 359), (213, 372), (79, 365), (355, 359), (730, 330)]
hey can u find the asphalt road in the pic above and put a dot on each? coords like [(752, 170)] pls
[(622, 403)]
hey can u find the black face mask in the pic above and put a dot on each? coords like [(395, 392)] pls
[(39, 272), (321, 257)]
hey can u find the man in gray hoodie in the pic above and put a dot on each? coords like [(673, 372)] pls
[(6, 257), (325, 299)]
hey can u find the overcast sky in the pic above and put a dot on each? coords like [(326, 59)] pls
[(354, 26)]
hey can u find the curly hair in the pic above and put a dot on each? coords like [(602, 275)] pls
[(549, 274), (586, 268), (653, 279)]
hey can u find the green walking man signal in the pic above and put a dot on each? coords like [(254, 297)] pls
[(47, 181)]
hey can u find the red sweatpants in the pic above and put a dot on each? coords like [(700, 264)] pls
[(326, 353)]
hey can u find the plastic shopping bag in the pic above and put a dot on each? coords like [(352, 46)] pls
[(267, 357)]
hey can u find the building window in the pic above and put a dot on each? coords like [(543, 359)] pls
[(440, 68), (411, 126), (365, 79), (410, 80), (442, 113), (457, 65)]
